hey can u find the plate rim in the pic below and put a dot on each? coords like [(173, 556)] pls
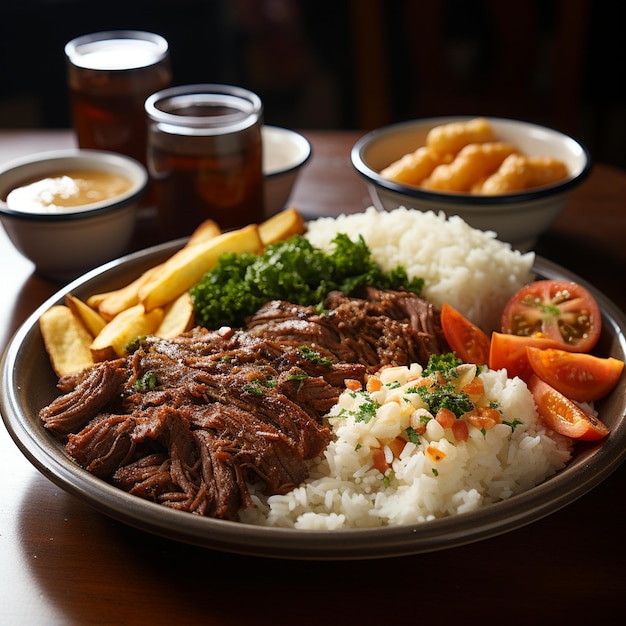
[(47, 456)]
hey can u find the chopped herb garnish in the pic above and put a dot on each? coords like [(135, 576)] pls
[(366, 411), (514, 424), (258, 384), (299, 377), (445, 364), (412, 435), (255, 390), (314, 357), (147, 382), (135, 344), (445, 397)]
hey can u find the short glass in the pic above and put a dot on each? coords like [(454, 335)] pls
[(110, 75), (205, 156)]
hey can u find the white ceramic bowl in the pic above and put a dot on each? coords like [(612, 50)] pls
[(518, 218), (284, 154), (65, 244)]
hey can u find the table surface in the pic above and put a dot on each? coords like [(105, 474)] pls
[(64, 563)]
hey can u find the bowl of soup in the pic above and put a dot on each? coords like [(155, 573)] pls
[(69, 211)]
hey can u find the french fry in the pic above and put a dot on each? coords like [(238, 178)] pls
[(66, 340), (110, 303), (114, 302), (186, 267), (205, 231), (95, 299), (178, 317), (90, 318), (124, 328), (280, 226)]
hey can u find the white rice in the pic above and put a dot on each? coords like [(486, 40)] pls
[(470, 269), (476, 274), (345, 490)]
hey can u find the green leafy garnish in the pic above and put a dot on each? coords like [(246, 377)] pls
[(147, 382), (445, 397), (445, 364), (313, 356), (257, 385), (412, 435), (366, 409)]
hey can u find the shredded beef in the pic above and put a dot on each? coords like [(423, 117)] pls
[(191, 422), (381, 328)]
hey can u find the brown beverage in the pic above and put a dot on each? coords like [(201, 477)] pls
[(205, 157), (110, 76)]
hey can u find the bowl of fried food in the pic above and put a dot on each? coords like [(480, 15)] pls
[(503, 175), (69, 211)]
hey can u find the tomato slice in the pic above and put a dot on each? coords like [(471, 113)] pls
[(564, 416), (509, 352), (468, 341), (578, 376), (562, 310)]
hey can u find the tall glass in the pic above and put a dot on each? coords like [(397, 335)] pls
[(205, 156), (110, 75)]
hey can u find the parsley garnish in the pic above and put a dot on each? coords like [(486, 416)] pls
[(412, 435), (313, 356), (258, 384), (366, 409), (444, 397), (514, 424), (299, 377), (147, 382), (445, 364)]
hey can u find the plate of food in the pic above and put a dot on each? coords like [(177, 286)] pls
[(294, 430)]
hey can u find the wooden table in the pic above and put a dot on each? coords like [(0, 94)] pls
[(63, 563)]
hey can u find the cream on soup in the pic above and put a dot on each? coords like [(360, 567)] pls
[(67, 190)]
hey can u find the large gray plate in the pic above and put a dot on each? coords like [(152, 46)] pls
[(28, 383)]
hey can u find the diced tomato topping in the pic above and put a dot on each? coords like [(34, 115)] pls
[(373, 384), (460, 430), (445, 417), (434, 454), (483, 418), (379, 461), (353, 384)]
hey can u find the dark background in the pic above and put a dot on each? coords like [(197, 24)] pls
[(353, 64)]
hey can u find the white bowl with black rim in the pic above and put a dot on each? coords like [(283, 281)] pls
[(65, 242), (285, 153), (519, 218)]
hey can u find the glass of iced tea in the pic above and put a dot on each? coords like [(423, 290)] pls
[(205, 156), (110, 75)]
